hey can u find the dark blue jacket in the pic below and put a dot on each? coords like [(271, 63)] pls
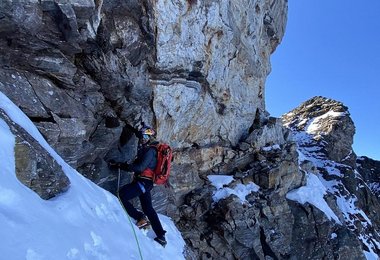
[(146, 158)]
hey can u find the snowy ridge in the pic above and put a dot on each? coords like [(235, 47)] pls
[(86, 222), (327, 180)]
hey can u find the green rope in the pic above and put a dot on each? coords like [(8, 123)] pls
[(130, 221)]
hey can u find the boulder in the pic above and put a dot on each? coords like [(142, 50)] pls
[(35, 167)]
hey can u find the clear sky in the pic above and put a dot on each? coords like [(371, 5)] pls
[(331, 48)]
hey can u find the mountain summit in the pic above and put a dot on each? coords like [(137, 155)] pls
[(324, 132)]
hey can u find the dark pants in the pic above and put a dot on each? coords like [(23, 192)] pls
[(133, 190)]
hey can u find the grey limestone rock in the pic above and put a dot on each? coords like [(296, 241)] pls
[(35, 167)]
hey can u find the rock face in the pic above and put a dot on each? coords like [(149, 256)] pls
[(35, 167), (88, 73), (217, 72), (195, 70), (255, 228), (370, 171)]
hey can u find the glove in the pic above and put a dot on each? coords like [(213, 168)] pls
[(113, 165), (125, 167)]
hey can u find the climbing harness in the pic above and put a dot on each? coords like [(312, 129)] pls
[(130, 221)]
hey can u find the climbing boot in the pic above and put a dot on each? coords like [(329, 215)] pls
[(161, 240), (143, 223)]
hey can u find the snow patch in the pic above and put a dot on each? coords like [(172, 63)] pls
[(313, 193), (240, 190), (314, 126), (348, 208), (370, 255), (218, 181), (270, 148)]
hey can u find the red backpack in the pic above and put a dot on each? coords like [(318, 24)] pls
[(164, 159)]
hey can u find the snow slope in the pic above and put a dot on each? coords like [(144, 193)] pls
[(86, 222)]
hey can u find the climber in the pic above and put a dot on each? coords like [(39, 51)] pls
[(142, 184)]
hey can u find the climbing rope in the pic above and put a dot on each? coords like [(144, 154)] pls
[(130, 221)]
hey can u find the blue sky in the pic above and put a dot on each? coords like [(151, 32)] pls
[(331, 49)]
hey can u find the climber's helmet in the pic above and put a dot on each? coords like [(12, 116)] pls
[(146, 134)]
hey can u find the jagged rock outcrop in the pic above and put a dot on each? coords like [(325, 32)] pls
[(329, 123), (35, 167), (251, 229)]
